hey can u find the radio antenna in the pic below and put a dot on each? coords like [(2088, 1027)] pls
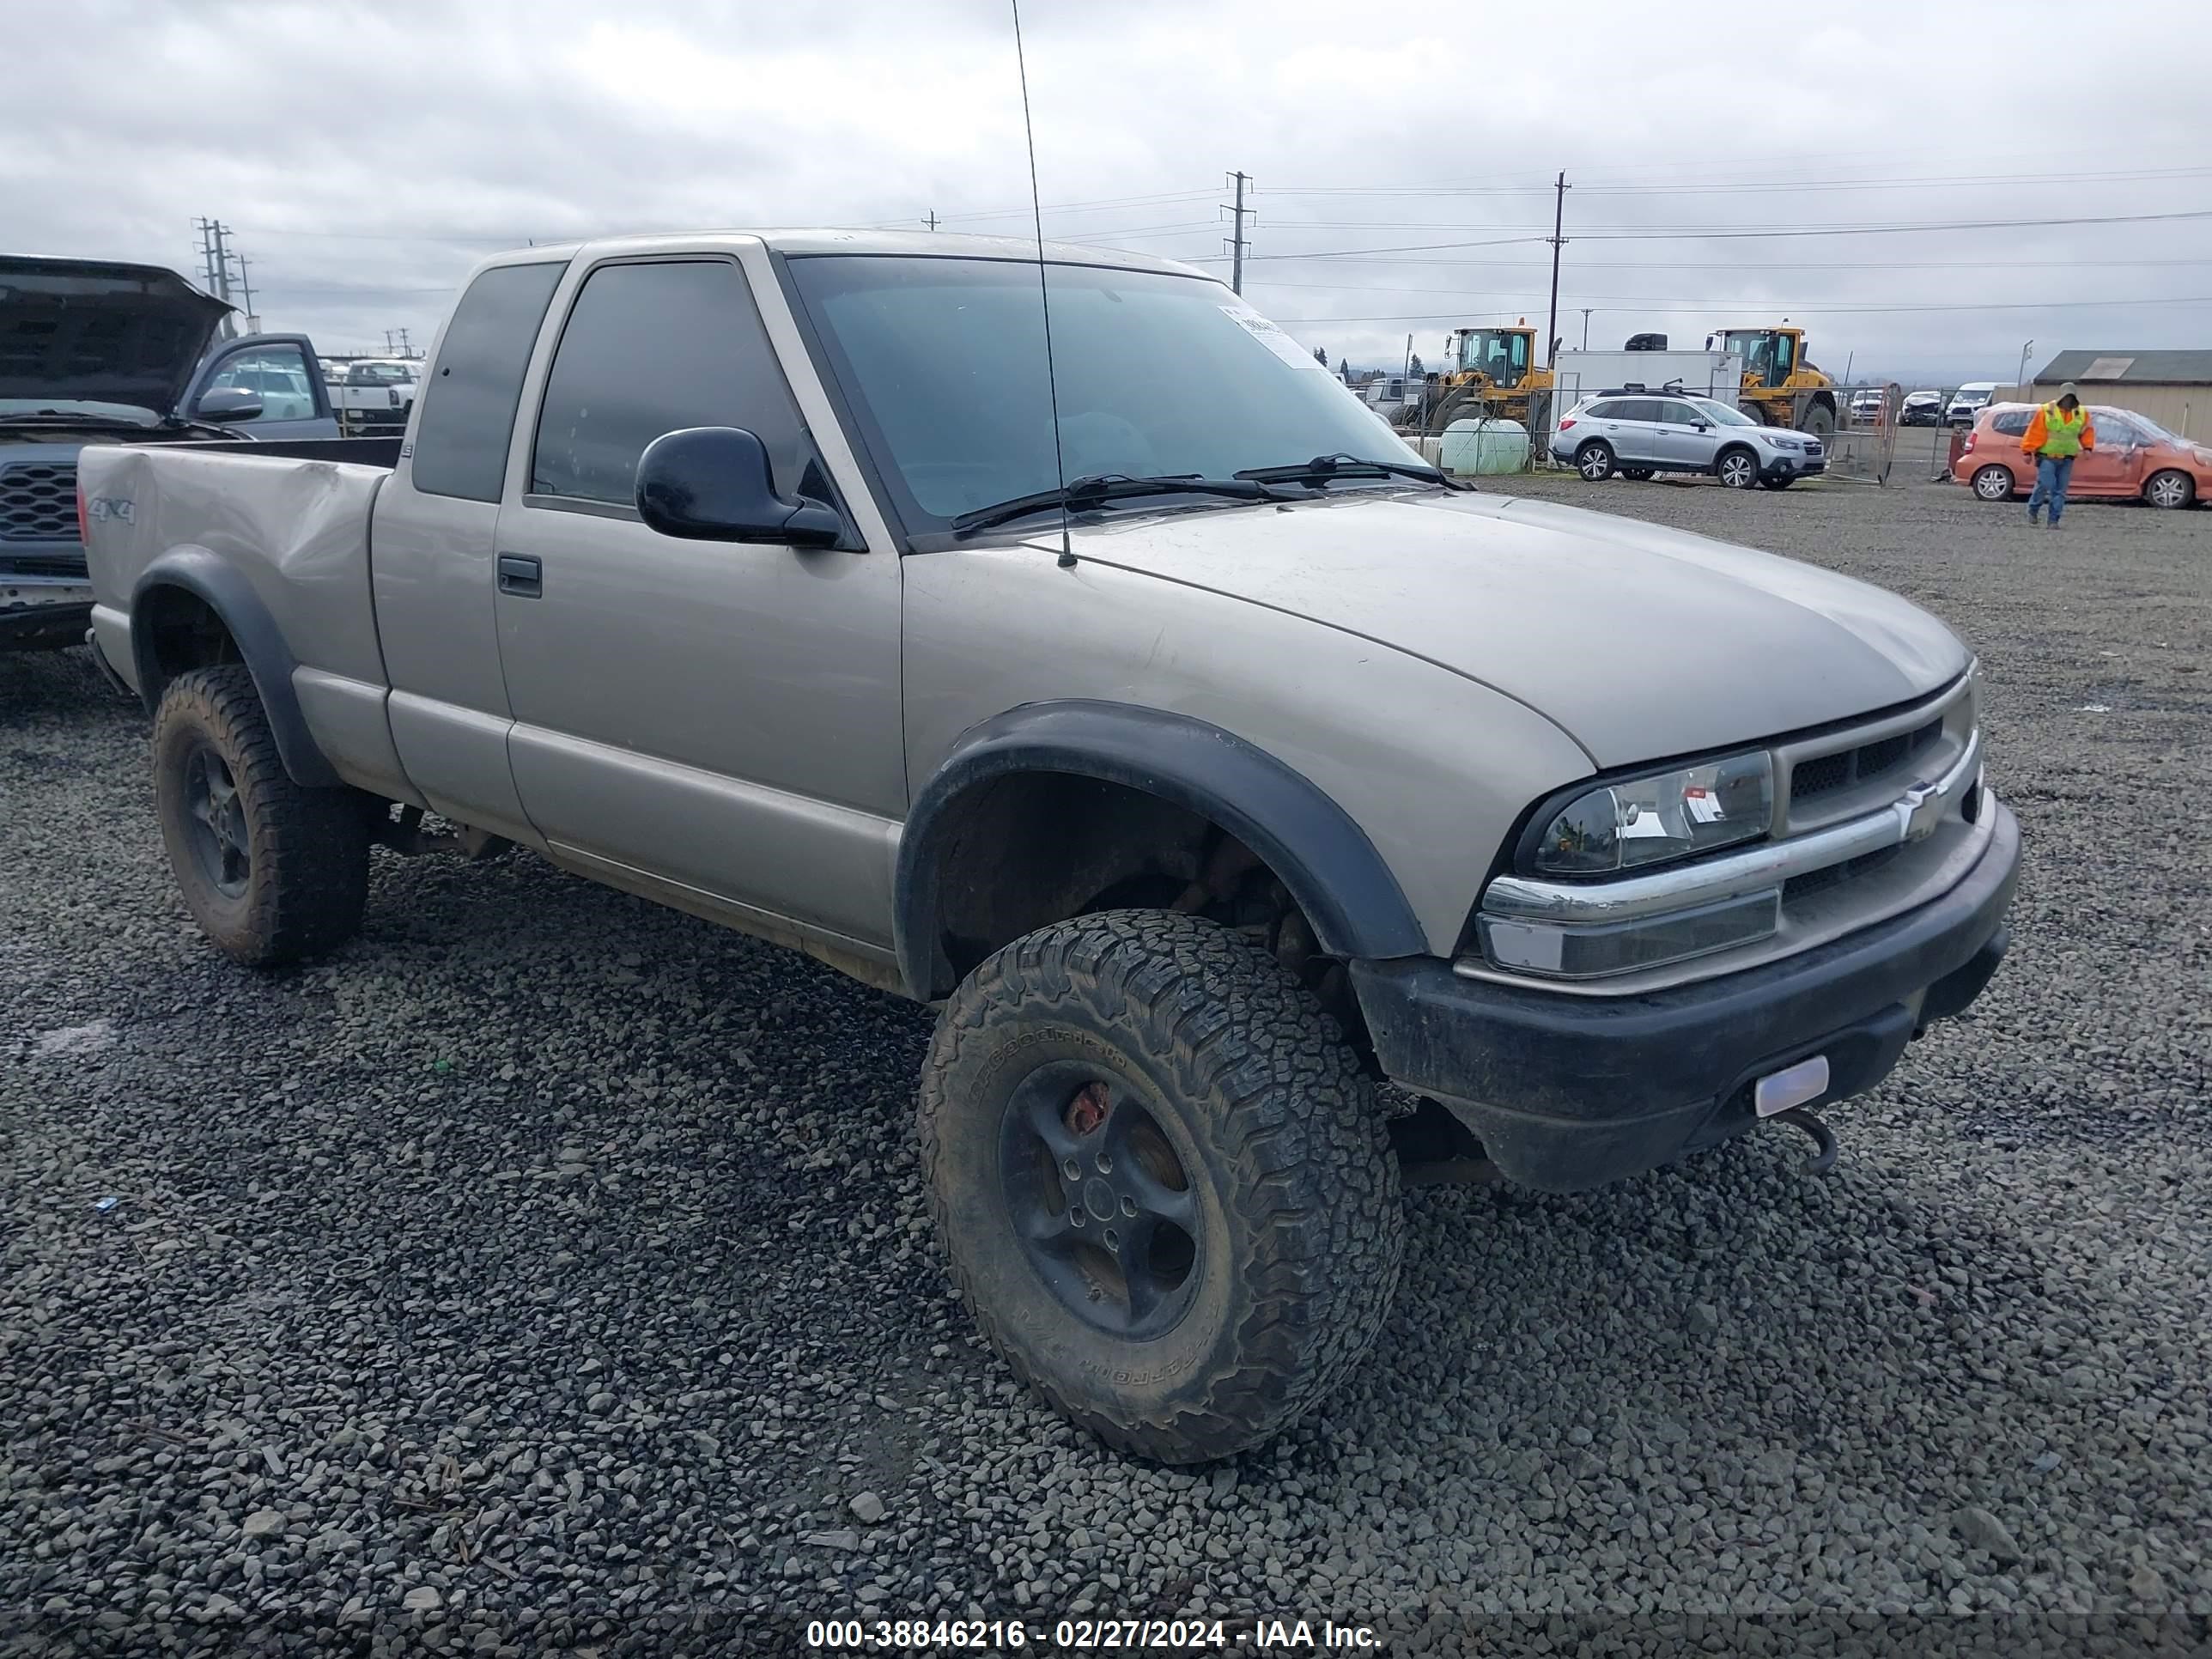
[(1044, 292)]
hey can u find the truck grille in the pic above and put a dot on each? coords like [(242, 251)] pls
[(1829, 773), (37, 502)]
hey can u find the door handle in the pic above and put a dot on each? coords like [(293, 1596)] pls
[(523, 577)]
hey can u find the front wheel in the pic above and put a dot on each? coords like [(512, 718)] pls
[(1737, 470), (1994, 484), (2170, 490), (1594, 460), (1820, 420), (271, 871), (1159, 1175)]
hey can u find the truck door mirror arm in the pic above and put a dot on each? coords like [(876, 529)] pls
[(714, 484)]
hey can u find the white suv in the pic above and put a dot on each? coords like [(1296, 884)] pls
[(1637, 433)]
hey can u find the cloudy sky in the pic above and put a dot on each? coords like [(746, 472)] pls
[(1402, 154)]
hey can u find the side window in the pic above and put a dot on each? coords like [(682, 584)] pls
[(468, 404), (2013, 424), (277, 375), (652, 349), (1676, 414), (2115, 428), (1637, 409)]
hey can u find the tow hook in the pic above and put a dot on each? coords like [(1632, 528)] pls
[(1824, 1139)]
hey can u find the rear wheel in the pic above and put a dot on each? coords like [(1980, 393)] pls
[(1456, 406), (1594, 460), (2170, 488), (1738, 469), (1820, 420), (272, 871), (1158, 1172), (1994, 484)]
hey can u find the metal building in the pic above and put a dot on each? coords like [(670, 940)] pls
[(2173, 388)]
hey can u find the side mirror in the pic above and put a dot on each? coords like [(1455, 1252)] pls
[(712, 483), (1702, 426), (228, 403)]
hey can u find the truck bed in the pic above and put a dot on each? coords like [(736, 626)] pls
[(291, 520)]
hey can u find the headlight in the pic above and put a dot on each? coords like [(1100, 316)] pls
[(1786, 443), (1669, 815)]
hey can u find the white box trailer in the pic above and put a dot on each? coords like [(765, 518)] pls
[(1584, 374)]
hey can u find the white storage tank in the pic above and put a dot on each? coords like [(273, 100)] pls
[(1484, 448)]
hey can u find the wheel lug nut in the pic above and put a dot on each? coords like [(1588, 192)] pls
[(1075, 1217), (1071, 1169), (1113, 1239), (1129, 1207), (1105, 1164)]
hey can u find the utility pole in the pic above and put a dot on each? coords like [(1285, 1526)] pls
[(206, 228), (2024, 350), (222, 261), (933, 221), (406, 348), (215, 265), (1237, 243), (245, 289), (1559, 241), (1586, 312)]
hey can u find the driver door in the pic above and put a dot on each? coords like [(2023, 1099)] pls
[(1687, 439), (700, 720)]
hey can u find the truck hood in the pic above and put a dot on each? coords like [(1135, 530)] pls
[(92, 332), (1639, 641)]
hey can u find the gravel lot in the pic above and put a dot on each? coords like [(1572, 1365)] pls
[(548, 1271)]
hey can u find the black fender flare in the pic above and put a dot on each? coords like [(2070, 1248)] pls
[(1311, 843), (218, 584)]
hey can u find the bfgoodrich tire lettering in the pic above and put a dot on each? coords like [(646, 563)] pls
[(272, 871), (1295, 1223)]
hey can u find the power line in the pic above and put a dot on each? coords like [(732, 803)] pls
[(1692, 233), (1922, 182), (1848, 310)]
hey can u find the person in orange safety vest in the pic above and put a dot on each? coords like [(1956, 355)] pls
[(2059, 432)]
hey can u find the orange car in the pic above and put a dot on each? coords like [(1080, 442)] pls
[(2135, 459)]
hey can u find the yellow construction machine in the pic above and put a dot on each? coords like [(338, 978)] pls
[(1780, 387), (1490, 372)]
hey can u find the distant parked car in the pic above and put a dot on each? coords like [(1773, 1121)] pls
[(2135, 459), (1866, 405), (1637, 435), (1968, 401), (377, 395), (1922, 409), (97, 354)]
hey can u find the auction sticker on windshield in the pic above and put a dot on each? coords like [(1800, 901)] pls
[(1270, 336)]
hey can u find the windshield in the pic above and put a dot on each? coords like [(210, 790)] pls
[(943, 363), (2150, 426), (1721, 413), (1501, 354)]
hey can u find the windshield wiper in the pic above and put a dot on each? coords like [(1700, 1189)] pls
[(1322, 468), (69, 417), (1116, 487)]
